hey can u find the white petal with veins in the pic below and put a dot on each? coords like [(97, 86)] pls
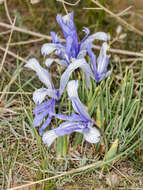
[(49, 137)]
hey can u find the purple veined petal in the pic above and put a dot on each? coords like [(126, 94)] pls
[(97, 36), (68, 19), (55, 37), (69, 127), (87, 32), (108, 73), (72, 88), (49, 137), (72, 117), (66, 23), (39, 95), (46, 123), (38, 119), (64, 129), (52, 93), (69, 43), (92, 59), (43, 111), (101, 60), (42, 73), (81, 54), (49, 61), (106, 63), (92, 135), (87, 80), (68, 27), (48, 48), (77, 63), (80, 109), (65, 28), (42, 107)]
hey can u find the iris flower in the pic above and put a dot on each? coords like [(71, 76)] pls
[(72, 47), (45, 109), (78, 122), (42, 110), (100, 67)]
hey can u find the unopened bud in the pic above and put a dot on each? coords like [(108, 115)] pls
[(119, 29), (122, 36)]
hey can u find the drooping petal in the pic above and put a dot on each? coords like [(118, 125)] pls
[(42, 73), (97, 36), (46, 123), (92, 135), (41, 111), (72, 117), (64, 129), (69, 127), (49, 137), (77, 63), (39, 95), (48, 48), (42, 107), (49, 61), (38, 119)]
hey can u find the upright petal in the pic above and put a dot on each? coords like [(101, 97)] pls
[(87, 31), (92, 58), (42, 73), (66, 22), (97, 36), (68, 27), (77, 63), (72, 88), (101, 60), (80, 109), (55, 38)]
